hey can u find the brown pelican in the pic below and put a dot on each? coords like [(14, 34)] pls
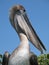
[(20, 22)]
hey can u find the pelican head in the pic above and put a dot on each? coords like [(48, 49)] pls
[(14, 12), (20, 22)]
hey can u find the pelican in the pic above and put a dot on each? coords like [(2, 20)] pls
[(22, 54)]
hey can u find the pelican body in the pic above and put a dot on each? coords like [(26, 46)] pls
[(22, 54)]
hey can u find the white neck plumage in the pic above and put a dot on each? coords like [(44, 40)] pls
[(24, 41)]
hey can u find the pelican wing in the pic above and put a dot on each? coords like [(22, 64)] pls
[(33, 59)]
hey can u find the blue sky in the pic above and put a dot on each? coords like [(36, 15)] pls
[(38, 14)]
